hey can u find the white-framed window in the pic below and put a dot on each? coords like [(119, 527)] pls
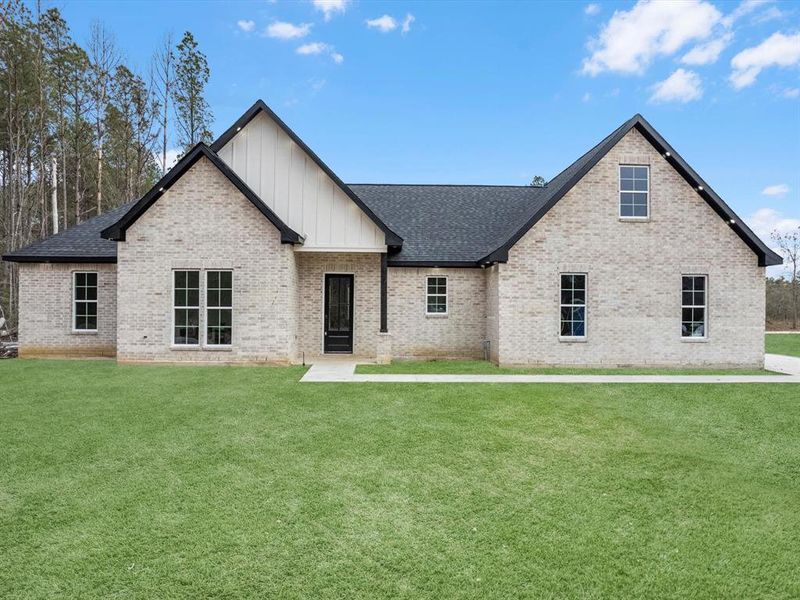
[(84, 301), (573, 305), (186, 308), (694, 306), (634, 191), (219, 308), (436, 295)]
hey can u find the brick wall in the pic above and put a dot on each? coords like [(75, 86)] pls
[(459, 334), (366, 269), (204, 222), (634, 276), (45, 311)]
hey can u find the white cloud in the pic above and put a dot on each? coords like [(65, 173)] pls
[(287, 31), (173, 154), (791, 93), (316, 84), (631, 39), (407, 23), (246, 25), (780, 189), (385, 23), (682, 86), (591, 9), (764, 222), (586, 97), (312, 48), (777, 50), (315, 48), (331, 7), (745, 8), (707, 53)]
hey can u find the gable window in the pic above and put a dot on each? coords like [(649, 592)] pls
[(634, 191), (84, 302), (573, 305), (436, 296), (186, 308), (694, 307), (219, 308)]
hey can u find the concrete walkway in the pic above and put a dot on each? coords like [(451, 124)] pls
[(332, 371)]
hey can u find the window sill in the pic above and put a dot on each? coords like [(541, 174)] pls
[(185, 348), (436, 315), (572, 339), (634, 219), (84, 332), (211, 348), (694, 340)]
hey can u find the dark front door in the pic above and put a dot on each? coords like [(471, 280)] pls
[(338, 313)]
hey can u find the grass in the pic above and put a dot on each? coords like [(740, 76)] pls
[(482, 367), (783, 343), (227, 482)]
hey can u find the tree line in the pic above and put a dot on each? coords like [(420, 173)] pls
[(81, 130)]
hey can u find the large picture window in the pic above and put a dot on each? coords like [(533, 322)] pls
[(219, 308), (186, 308), (694, 306), (84, 302), (436, 303), (634, 191), (573, 305)]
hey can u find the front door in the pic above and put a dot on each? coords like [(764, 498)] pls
[(338, 313)]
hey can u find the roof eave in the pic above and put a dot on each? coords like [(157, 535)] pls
[(28, 258)]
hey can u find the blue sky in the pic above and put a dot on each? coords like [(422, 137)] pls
[(446, 92)]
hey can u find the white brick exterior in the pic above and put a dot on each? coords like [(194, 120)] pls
[(45, 311), (204, 222), (634, 281), (634, 276)]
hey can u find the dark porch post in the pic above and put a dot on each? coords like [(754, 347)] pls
[(384, 268)]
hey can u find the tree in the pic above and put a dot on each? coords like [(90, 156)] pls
[(104, 59), (538, 181), (164, 66), (789, 243), (193, 115)]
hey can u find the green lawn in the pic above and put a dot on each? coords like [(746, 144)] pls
[(482, 367), (225, 482), (783, 343)]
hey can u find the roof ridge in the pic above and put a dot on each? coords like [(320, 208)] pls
[(452, 185)]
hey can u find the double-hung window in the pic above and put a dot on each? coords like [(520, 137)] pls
[(84, 302), (634, 192), (219, 308), (186, 308), (436, 300), (694, 306), (573, 305)]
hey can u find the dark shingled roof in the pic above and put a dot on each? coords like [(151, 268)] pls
[(81, 243), (448, 223)]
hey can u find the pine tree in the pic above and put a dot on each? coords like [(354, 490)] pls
[(193, 116)]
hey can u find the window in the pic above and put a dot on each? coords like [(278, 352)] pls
[(85, 302), (186, 308), (634, 191), (693, 306), (219, 309), (437, 296), (573, 305)]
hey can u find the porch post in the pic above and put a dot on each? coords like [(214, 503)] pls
[(384, 268)]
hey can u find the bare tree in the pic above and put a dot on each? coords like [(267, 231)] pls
[(104, 59), (164, 67), (789, 243)]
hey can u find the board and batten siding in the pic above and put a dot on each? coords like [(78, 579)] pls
[(298, 191)]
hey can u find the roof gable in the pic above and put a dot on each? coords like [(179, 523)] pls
[(392, 240), (117, 230), (569, 177)]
